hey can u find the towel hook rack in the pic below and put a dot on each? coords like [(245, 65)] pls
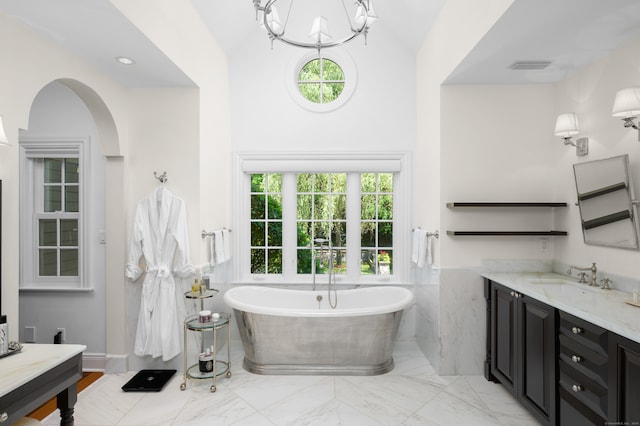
[(163, 178), (205, 234), (435, 233)]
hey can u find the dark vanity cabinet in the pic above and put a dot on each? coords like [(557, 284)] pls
[(583, 364), (565, 370), (624, 395), (522, 349)]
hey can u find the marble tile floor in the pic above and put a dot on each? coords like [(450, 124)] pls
[(411, 394)]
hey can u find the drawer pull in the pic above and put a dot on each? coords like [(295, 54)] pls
[(577, 388), (576, 330), (513, 294), (3, 417), (576, 359)]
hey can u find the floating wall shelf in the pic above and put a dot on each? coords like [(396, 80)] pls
[(518, 204), (508, 233), (454, 205)]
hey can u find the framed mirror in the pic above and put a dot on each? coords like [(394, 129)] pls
[(607, 203)]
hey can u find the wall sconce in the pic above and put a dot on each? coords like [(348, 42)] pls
[(627, 107), (566, 127), (3, 135)]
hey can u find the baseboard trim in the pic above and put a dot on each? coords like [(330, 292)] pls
[(116, 363), (104, 363), (94, 362)]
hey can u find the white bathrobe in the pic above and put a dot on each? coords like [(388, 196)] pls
[(160, 235)]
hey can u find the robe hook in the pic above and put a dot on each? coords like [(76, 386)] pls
[(163, 178)]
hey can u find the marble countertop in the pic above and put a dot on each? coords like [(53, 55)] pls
[(24, 366), (605, 308)]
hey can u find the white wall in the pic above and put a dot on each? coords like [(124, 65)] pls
[(496, 143), (195, 139), (590, 93), (451, 39), (177, 30), (506, 151), (501, 150), (59, 113), (160, 148), (441, 326), (379, 116), (27, 65)]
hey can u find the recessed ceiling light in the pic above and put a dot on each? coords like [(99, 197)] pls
[(125, 61)]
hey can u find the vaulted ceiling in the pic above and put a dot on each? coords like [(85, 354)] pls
[(567, 33)]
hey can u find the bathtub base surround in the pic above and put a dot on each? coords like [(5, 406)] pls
[(296, 332), (450, 315), (353, 346)]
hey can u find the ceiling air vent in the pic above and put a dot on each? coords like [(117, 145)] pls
[(529, 65)]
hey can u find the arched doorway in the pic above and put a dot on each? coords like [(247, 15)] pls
[(67, 110)]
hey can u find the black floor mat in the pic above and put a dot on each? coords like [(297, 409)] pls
[(148, 381)]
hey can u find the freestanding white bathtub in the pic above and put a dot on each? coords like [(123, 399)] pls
[(296, 332)]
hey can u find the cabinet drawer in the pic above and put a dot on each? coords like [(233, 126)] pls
[(583, 389), (586, 334), (572, 412), (592, 364)]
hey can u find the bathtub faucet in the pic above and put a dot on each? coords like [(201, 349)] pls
[(320, 242)]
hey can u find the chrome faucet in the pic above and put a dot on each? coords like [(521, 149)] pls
[(605, 283), (593, 270)]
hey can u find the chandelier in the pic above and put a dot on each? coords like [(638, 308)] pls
[(355, 19)]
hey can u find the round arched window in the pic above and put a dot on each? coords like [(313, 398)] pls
[(321, 81), (322, 84)]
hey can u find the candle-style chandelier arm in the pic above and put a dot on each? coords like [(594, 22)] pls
[(268, 14)]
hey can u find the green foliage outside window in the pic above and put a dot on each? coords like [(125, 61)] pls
[(266, 226), (376, 235), (321, 212), (321, 81)]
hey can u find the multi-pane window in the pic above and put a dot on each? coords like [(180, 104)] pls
[(52, 190), (57, 217), (376, 223), (266, 224), (343, 219), (321, 221)]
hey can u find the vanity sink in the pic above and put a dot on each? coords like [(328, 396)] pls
[(579, 289), (572, 291), (551, 280)]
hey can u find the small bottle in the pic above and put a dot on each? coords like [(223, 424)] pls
[(4, 335), (635, 296), (195, 287), (205, 361)]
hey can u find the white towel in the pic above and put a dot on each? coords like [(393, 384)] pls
[(212, 248), (226, 245), (429, 250), (415, 246), (419, 252), (220, 247)]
